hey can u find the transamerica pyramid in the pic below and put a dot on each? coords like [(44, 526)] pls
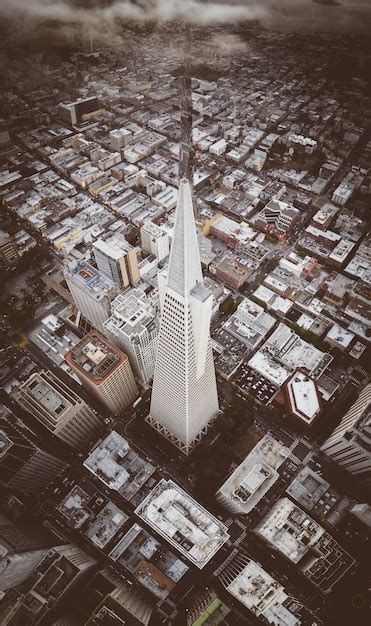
[(184, 394)]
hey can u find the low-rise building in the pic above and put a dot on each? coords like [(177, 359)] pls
[(303, 397), (156, 568), (303, 541), (119, 467), (183, 522), (251, 480), (316, 495), (263, 595)]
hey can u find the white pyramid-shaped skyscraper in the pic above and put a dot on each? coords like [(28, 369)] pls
[(184, 395)]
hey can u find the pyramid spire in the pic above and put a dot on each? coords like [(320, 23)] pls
[(184, 265)]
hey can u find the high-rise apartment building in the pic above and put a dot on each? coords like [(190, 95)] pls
[(54, 577), (23, 465), (134, 326), (92, 293), (117, 260), (58, 408), (104, 370), (155, 240), (350, 443), (21, 549), (184, 395)]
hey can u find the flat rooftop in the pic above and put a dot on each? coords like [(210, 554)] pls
[(95, 357), (46, 396), (114, 247), (262, 595), (316, 495), (106, 524), (91, 280), (118, 466), (303, 397), (132, 312), (146, 558), (289, 529), (183, 522), (252, 479)]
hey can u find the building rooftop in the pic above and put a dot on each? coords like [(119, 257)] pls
[(132, 312), (316, 495), (95, 357), (182, 521), (90, 280), (251, 480), (113, 247), (145, 557), (118, 466), (303, 397), (106, 524), (74, 507), (262, 595), (302, 540), (291, 530)]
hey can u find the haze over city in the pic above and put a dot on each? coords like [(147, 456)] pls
[(185, 255)]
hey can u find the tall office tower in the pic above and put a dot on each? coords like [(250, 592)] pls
[(23, 465), (205, 609), (21, 549), (87, 39), (184, 395), (117, 260), (350, 443), (104, 370), (58, 408), (155, 240), (133, 326), (8, 250), (92, 293), (55, 576), (123, 606)]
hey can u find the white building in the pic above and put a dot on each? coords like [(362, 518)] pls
[(303, 541), (350, 443), (184, 394), (303, 397), (261, 594), (134, 327), (92, 293), (119, 467), (117, 260), (218, 148), (155, 240), (251, 480), (183, 522)]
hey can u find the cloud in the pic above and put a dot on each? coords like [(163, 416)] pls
[(310, 15), (107, 11)]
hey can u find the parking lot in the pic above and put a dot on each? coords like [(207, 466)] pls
[(255, 384)]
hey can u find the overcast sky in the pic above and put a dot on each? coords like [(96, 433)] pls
[(333, 15)]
